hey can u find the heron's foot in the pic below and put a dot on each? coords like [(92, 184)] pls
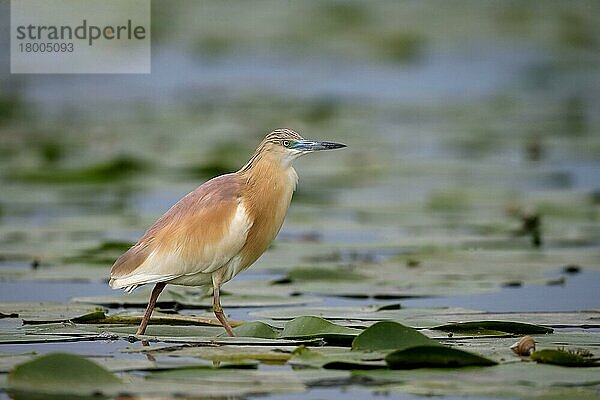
[(223, 320)]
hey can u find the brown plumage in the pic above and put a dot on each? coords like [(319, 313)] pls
[(219, 229)]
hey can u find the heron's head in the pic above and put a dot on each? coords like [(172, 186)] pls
[(287, 145)]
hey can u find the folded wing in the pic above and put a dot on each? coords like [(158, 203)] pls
[(198, 235)]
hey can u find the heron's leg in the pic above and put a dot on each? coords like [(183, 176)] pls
[(151, 303), (218, 309)]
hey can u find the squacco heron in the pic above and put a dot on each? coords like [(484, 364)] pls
[(221, 228)]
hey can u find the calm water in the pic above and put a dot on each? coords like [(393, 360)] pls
[(578, 292), (454, 123)]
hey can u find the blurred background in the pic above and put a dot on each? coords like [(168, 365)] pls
[(473, 156)]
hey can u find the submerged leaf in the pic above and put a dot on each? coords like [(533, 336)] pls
[(389, 335), (434, 357), (61, 373)]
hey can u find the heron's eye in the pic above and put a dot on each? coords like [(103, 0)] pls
[(286, 143)]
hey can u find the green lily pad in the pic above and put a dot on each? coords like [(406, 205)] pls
[(389, 335), (61, 373), (309, 327), (563, 358), (485, 327), (434, 357), (256, 329)]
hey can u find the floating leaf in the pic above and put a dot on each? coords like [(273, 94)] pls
[(389, 335), (418, 317), (226, 340), (563, 358), (434, 357), (171, 331), (50, 333), (308, 327), (47, 312), (484, 327), (517, 380), (61, 373), (90, 318), (437, 316), (99, 317), (256, 329)]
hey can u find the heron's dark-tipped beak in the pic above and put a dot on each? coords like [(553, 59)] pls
[(309, 145)]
